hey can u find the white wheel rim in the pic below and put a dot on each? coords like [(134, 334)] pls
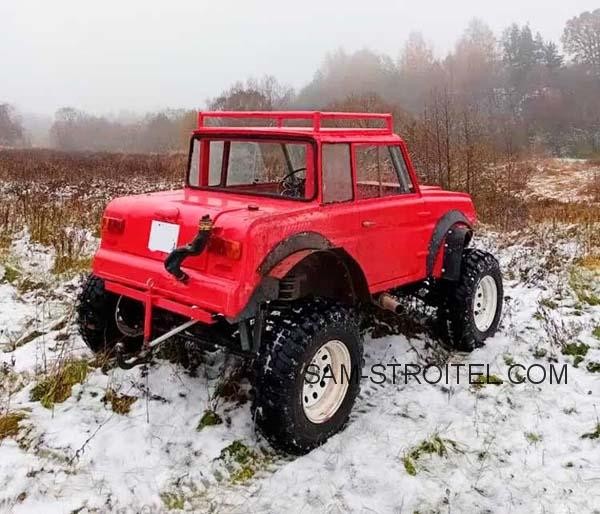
[(322, 398), (485, 303)]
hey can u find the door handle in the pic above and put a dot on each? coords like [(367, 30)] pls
[(368, 223)]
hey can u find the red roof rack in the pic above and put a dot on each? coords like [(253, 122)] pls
[(316, 117)]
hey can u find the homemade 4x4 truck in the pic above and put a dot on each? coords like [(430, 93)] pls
[(279, 237)]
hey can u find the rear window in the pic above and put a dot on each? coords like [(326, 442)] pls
[(254, 167)]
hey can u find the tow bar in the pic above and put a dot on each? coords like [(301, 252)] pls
[(144, 356)]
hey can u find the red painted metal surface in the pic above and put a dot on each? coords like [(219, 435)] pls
[(150, 300), (388, 237), (316, 118)]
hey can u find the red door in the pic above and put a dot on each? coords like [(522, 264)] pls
[(392, 217)]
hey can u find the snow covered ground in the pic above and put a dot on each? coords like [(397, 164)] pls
[(565, 180), (496, 447)]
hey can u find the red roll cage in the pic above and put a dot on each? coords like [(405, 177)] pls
[(317, 118)]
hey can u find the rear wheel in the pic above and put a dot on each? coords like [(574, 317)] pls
[(105, 319), (473, 305), (307, 374)]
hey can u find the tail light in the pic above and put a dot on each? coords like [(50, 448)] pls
[(225, 247), (113, 225)]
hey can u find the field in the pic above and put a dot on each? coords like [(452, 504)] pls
[(79, 436)]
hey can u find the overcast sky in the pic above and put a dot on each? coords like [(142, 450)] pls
[(112, 55)]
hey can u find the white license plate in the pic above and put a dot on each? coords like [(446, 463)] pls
[(163, 236)]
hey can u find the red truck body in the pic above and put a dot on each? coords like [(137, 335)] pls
[(391, 239)]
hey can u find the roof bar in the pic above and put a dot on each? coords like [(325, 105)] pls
[(317, 117)]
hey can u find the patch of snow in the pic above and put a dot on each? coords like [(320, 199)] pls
[(82, 455)]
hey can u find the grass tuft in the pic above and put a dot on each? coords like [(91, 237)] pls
[(580, 279), (508, 359), (593, 367), (172, 501), (238, 452), (590, 262), (409, 465), (208, 419), (533, 438), (11, 274), (595, 434), (9, 424), (484, 380), (548, 303), (119, 403), (65, 264), (435, 445), (56, 387), (241, 462), (575, 349)]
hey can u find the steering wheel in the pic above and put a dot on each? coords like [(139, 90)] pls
[(291, 185)]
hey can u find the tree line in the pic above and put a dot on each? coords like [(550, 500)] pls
[(490, 100)]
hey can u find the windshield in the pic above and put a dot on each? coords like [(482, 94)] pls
[(272, 168)]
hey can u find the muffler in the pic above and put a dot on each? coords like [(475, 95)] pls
[(388, 302)]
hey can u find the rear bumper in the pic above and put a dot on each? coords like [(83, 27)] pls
[(146, 280), (150, 299)]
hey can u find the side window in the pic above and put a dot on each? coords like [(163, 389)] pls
[(194, 176), (215, 162), (337, 174), (400, 165), (381, 171)]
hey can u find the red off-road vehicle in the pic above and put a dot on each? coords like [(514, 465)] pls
[(281, 233)]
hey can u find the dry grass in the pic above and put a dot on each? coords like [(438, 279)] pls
[(59, 197), (57, 168), (9, 424), (56, 386), (591, 262), (119, 403)]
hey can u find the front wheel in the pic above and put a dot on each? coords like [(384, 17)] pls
[(473, 305), (307, 374)]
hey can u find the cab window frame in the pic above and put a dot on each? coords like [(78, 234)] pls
[(401, 161), (227, 136)]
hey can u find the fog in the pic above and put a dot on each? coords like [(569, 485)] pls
[(111, 56)]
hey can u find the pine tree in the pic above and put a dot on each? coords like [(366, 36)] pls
[(551, 58)]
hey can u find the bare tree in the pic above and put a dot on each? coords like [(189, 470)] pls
[(265, 94), (417, 54)]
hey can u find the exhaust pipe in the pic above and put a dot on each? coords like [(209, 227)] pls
[(388, 302)]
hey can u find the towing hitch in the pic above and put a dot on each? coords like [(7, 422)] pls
[(145, 355), (175, 259)]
